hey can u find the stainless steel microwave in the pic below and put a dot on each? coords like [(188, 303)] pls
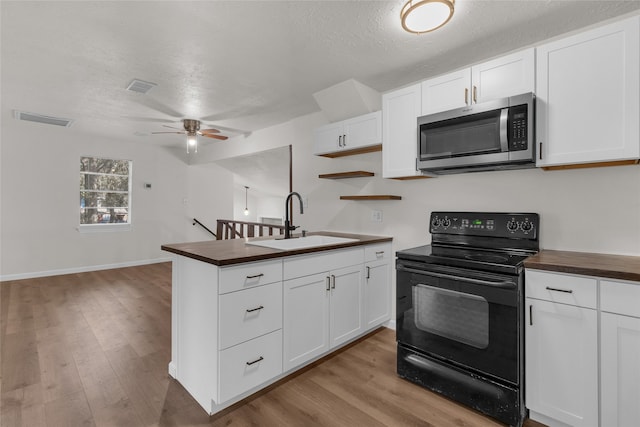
[(494, 135)]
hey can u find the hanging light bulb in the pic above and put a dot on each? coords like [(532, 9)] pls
[(246, 205), (192, 141)]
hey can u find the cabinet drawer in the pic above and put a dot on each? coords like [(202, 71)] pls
[(250, 313), (620, 297), (249, 364), (561, 288), (249, 275), (377, 252)]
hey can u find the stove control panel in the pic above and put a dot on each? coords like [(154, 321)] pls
[(496, 224)]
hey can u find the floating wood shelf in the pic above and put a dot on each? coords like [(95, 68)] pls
[(342, 175), (372, 197), (363, 150)]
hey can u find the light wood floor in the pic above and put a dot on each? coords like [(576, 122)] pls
[(93, 348)]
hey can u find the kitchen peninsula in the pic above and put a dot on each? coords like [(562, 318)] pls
[(245, 316)]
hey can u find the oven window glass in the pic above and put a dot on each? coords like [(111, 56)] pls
[(476, 134), (455, 315)]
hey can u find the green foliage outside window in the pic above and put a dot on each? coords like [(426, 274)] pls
[(104, 190)]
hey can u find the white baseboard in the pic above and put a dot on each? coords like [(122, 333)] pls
[(391, 324), (20, 276)]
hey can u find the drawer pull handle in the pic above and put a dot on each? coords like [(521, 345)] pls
[(259, 359), (379, 253), (333, 281), (251, 310), (255, 276), (566, 291)]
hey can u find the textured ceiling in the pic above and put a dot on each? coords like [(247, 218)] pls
[(243, 64)]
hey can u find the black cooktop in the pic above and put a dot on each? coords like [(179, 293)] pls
[(489, 241)]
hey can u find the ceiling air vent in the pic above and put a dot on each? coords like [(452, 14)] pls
[(39, 118), (140, 86)]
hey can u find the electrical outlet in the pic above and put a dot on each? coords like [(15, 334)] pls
[(376, 216)]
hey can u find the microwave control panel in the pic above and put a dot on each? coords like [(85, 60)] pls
[(518, 128)]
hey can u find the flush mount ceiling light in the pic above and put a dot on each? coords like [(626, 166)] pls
[(423, 16), (246, 205)]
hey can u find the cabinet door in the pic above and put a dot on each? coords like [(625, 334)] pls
[(326, 138), (620, 370), (377, 291), (562, 362), (446, 92), (400, 112), (306, 319), (588, 96), (346, 308), (506, 76), (362, 131)]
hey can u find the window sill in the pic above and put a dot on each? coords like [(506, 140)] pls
[(103, 228)]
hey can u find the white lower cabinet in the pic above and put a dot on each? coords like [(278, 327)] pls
[(306, 320), (562, 362), (322, 310), (237, 329), (582, 352), (377, 292), (620, 354)]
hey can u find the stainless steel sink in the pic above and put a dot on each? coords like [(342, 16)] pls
[(301, 242)]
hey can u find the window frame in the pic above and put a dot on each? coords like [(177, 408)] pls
[(109, 227)]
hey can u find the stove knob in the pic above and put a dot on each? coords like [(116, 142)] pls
[(512, 225), (435, 222), (526, 226), (446, 222)]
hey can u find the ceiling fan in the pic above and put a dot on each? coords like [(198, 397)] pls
[(192, 130)]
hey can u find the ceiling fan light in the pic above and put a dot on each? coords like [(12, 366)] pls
[(192, 141), (423, 16)]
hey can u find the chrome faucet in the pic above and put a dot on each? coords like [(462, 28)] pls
[(288, 228)]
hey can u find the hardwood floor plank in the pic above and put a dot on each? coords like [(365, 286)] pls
[(69, 411)]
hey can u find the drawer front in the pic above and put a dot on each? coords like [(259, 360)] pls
[(319, 262), (249, 364), (620, 297), (377, 252), (249, 275), (247, 314), (562, 288)]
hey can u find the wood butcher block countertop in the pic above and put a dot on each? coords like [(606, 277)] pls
[(620, 267), (236, 251)]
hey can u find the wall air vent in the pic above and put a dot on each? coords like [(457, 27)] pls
[(39, 118), (140, 86)]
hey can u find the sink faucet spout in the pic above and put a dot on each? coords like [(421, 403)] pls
[(288, 228)]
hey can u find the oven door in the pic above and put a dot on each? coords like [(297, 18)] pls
[(463, 317)]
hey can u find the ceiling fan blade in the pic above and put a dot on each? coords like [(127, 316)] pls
[(209, 131), (180, 133), (171, 127), (147, 119), (214, 136)]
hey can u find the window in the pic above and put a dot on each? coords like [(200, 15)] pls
[(105, 192)]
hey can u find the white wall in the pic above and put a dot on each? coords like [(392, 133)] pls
[(589, 210), (40, 202)]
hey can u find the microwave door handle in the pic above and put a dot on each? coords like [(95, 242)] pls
[(504, 143)]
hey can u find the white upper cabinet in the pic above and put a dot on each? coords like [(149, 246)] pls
[(348, 135), (588, 96), (505, 76), (400, 111)]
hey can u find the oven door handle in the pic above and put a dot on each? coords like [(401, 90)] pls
[(503, 284)]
